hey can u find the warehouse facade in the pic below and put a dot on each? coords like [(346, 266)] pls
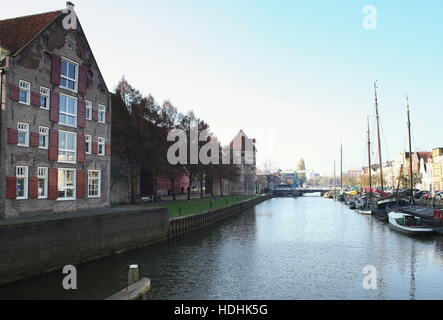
[(55, 133)]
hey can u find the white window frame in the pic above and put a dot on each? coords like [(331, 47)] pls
[(75, 114), (20, 175), (88, 108), (102, 111), (26, 131), (67, 150), (99, 179), (101, 142), (77, 68), (65, 188), (43, 131), (88, 142), (25, 86), (42, 174), (45, 92)]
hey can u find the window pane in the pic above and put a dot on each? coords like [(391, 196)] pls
[(20, 187), (69, 193), (41, 187), (63, 82), (21, 138), (71, 71), (62, 103), (64, 69), (69, 178), (71, 106), (23, 96), (62, 140)]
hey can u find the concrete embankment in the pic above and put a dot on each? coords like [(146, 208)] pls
[(183, 225), (38, 245)]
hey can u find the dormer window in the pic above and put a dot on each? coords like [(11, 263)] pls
[(69, 75)]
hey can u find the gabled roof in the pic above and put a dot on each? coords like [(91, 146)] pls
[(16, 33)]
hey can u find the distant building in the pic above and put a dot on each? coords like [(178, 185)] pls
[(244, 151), (437, 169)]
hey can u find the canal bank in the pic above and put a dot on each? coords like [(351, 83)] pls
[(34, 246)]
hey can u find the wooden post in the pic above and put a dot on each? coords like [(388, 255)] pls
[(133, 275)]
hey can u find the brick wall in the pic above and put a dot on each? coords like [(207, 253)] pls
[(45, 244)]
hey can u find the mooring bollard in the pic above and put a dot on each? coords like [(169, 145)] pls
[(133, 274)]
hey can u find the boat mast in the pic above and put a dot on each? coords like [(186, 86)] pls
[(369, 159), (341, 167), (335, 178), (411, 174), (378, 134)]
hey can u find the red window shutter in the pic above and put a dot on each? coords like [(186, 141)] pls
[(108, 118), (55, 106), (53, 145), (12, 136), (35, 99), (108, 149), (34, 139), (81, 122), (83, 79), (94, 114), (11, 187), (52, 184), (95, 148), (80, 184), (56, 67), (33, 188), (14, 92), (81, 148)]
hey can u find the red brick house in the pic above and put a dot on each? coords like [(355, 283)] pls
[(55, 131)]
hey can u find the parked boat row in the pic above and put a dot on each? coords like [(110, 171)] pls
[(401, 213)]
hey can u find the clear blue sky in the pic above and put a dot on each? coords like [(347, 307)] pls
[(297, 75)]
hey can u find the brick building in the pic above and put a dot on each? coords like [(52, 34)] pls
[(55, 119)]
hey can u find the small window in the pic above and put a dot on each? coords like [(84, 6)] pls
[(68, 111), (66, 184), (45, 96), (43, 138), (22, 183), (88, 110), (25, 92), (67, 147), (23, 134), (101, 146), (88, 144), (101, 114), (69, 75), (42, 183), (94, 182)]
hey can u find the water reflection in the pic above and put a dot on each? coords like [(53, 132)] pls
[(285, 248)]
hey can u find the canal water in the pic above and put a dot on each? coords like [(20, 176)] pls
[(284, 248)]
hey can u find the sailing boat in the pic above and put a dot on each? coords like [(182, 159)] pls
[(380, 200), (410, 219)]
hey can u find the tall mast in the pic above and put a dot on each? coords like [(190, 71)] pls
[(379, 135), (369, 158), (341, 167), (411, 174), (335, 178)]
